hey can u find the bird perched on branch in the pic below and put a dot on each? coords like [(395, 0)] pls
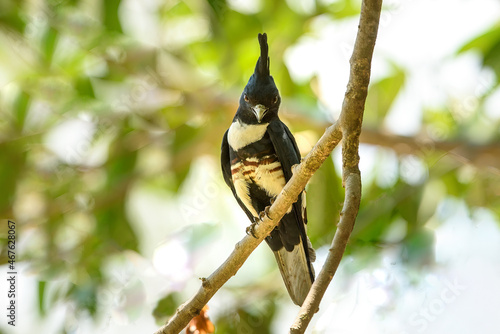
[(257, 155)]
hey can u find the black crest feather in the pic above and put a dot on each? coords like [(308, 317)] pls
[(262, 67)]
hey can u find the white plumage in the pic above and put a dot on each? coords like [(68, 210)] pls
[(241, 134)]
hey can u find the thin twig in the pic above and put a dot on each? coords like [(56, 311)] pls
[(350, 120)]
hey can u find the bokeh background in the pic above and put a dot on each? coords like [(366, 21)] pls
[(112, 114)]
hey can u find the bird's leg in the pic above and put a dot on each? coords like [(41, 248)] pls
[(273, 199), (264, 213), (251, 229), (294, 167)]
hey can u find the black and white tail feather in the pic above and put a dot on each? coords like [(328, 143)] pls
[(257, 155)]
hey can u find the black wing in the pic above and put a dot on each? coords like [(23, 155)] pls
[(226, 172), (226, 162), (285, 146), (288, 154)]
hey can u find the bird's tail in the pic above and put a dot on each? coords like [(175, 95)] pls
[(297, 270)]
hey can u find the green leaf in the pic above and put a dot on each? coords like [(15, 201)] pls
[(372, 222), (84, 87), (419, 247), (184, 137), (114, 228), (408, 206), (441, 123), (453, 186), (180, 9), (85, 296), (382, 95), (488, 44), (14, 155), (166, 307), (483, 42), (41, 297), (185, 140), (344, 9), (219, 7), (375, 214), (378, 211), (111, 18), (49, 41), (253, 318), (10, 15), (21, 107), (113, 225), (324, 202)]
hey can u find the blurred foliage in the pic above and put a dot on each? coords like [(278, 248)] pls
[(254, 318), (171, 85), (488, 44), (166, 307), (382, 95)]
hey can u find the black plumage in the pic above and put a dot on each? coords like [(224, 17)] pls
[(257, 155)]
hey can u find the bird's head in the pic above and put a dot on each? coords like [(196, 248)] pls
[(260, 100)]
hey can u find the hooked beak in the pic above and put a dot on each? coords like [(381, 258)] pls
[(259, 111)]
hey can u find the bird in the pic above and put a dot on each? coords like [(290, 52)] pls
[(258, 152)]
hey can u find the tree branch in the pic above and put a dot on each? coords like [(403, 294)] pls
[(349, 122), (482, 156), (289, 194), (350, 119)]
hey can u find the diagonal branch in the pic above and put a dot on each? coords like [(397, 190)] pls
[(349, 123), (350, 120), (289, 194), (485, 156)]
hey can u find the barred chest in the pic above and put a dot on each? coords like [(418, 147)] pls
[(254, 161)]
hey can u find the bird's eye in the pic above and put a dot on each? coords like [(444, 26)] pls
[(246, 98), (276, 99)]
